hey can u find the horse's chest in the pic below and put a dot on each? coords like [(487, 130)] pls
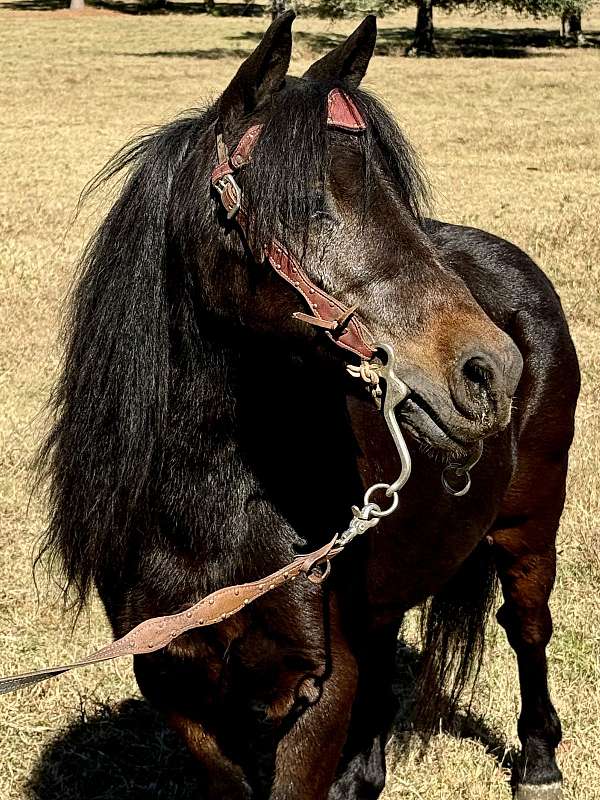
[(413, 555)]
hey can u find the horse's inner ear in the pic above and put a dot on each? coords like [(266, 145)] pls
[(262, 73), (348, 62)]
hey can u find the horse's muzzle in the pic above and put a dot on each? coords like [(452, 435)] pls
[(474, 403), (483, 384)]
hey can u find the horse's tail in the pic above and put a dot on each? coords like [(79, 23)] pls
[(110, 403), (453, 628)]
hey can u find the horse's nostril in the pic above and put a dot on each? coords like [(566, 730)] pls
[(483, 383), (479, 372), (476, 384)]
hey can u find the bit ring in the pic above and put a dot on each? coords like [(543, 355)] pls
[(386, 512), (459, 471)]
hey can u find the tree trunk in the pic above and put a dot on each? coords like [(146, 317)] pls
[(423, 44), (570, 28), (77, 5), (154, 5), (277, 8)]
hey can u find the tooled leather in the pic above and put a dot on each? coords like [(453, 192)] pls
[(222, 169), (243, 152), (158, 632), (355, 336), (326, 324), (240, 156)]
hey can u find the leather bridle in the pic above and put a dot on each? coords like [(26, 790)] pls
[(326, 311)]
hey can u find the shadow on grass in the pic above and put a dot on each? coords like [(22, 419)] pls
[(127, 752), (465, 42), (465, 725), (124, 753), (213, 54), (34, 5), (451, 42), (242, 9)]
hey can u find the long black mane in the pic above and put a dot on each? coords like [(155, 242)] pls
[(133, 326)]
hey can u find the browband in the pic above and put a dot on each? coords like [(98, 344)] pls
[(325, 311)]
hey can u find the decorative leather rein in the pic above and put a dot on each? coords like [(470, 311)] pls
[(158, 632)]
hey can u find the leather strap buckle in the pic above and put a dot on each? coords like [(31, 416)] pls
[(230, 194)]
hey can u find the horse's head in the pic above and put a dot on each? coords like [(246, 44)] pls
[(346, 202)]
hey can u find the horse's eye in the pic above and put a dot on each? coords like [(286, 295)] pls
[(324, 211), (325, 218)]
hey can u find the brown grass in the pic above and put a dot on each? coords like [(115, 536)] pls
[(512, 145)]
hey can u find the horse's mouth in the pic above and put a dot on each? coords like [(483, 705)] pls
[(421, 420)]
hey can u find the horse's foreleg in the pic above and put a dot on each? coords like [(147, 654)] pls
[(363, 769), (224, 779), (309, 752), (526, 562)]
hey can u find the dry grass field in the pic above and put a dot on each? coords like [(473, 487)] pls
[(511, 140)]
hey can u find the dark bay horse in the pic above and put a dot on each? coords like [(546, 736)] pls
[(204, 435)]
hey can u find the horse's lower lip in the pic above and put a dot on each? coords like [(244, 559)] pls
[(427, 426)]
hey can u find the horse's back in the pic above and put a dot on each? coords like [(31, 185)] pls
[(501, 276)]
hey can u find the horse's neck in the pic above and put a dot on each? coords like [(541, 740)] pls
[(267, 431)]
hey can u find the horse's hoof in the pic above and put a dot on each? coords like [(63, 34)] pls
[(544, 791)]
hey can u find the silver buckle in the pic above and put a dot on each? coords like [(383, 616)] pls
[(221, 186)]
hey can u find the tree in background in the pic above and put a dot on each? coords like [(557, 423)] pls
[(278, 7), (423, 42), (568, 11), (570, 25)]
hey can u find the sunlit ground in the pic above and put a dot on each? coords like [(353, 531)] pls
[(511, 141)]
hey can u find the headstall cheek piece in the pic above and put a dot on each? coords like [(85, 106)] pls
[(326, 311)]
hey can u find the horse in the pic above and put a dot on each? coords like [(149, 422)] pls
[(205, 430)]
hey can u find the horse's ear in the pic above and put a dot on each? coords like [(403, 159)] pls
[(348, 62), (261, 73)]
